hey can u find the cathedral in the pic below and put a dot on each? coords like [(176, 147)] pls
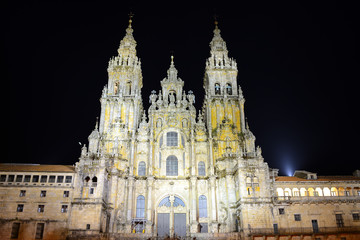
[(171, 171)]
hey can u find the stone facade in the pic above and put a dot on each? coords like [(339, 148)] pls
[(178, 172)]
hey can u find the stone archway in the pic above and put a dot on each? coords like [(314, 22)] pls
[(171, 217)]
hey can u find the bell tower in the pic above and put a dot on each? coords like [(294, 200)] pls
[(121, 104), (224, 101)]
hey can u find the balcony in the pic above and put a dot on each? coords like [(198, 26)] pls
[(315, 199), (302, 231)]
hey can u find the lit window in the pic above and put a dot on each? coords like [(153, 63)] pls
[(20, 208), (172, 139), (140, 207), (202, 206), (22, 193), (41, 208), (64, 208), (142, 168), (171, 166), (66, 193)]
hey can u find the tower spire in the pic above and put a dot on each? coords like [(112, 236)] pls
[(128, 44)]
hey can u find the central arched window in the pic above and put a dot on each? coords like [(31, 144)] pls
[(202, 206), (201, 168), (172, 139), (140, 206), (171, 166), (142, 168)]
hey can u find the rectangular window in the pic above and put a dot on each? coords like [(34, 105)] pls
[(43, 179), (315, 226), (39, 230), (358, 192), (19, 178), (66, 193), (20, 208), (87, 226), (15, 230), (172, 139), (339, 220), (27, 178), (91, 190), (41, 208), (22, 193), (60, 179), (35, 178), (281, 211), (64, 208), (356, 216), (347, 193), (296, 193), (52, 179), (2, 178), (68, 179), (11, 178), (43, 194), (297, 217)]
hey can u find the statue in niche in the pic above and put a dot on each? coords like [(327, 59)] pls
[(159, 123)]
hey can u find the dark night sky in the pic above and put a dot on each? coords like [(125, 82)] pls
[(296, 68)]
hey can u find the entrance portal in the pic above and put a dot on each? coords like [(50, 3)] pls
[(171, 217)]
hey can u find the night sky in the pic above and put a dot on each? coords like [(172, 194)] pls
[(296, 65)]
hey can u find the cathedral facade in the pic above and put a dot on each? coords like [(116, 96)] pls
[(175, 172)]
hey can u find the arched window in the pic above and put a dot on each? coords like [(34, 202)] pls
[(217, 89), (116, 88), (141, 168), (172, 139), (86, 181), (202, 206), (201, 168), (171, 166), (228, 89), (94, 181), (128, 88), (140, 206)]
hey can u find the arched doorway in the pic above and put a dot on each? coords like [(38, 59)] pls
[(171, 217)]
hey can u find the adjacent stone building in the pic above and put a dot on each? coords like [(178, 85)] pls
[(173, 171)]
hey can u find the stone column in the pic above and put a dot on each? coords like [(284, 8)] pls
[(113, 197), (242, 115), (193, 198), (214, 223), (129, 203), (172, 198), (149, 204), (231, 200)]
